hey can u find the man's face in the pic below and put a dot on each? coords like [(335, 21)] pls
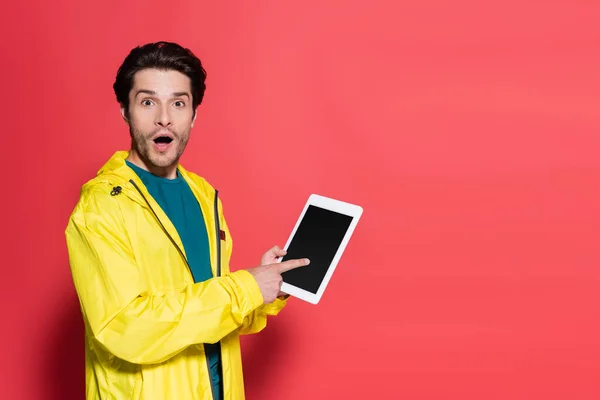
[(160, 116)]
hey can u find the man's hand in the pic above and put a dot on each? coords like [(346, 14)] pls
[(268, 276), (272, 255)]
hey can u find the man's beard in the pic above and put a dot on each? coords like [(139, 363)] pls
[(143, 146)]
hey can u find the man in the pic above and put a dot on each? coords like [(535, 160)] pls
[(149, 250)]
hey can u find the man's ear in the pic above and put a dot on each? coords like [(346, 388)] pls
[(124, 114), (194, 117)]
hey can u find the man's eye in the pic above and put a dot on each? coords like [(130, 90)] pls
[(146, 102), (179, 104)]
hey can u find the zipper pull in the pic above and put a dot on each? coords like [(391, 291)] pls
[(115, 191)]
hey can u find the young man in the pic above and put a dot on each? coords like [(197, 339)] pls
[(149, 250)]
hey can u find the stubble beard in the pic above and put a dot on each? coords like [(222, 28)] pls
[(152, 159)]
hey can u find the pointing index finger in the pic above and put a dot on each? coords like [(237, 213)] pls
[(292, 264)]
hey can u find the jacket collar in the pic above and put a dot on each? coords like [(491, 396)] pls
[(116, 171), (116, 165)]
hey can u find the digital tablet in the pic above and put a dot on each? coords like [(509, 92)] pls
[(321, 235)]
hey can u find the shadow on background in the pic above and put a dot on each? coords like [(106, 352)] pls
[(63, 364), (261, 356)]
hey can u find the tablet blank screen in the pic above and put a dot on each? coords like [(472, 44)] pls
[(318, 238)]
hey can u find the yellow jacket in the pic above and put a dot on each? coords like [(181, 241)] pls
[(145, 319)]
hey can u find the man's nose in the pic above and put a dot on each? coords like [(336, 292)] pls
[(163, 117)]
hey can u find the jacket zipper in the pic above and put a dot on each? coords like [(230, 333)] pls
[(216, 212), (218, 226), (218, 232)]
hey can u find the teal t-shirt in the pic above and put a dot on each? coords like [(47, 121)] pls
[(177, 201)]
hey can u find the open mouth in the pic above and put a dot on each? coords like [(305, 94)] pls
[(163, 140)]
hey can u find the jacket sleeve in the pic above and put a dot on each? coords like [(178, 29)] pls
[(127, 319), (257, 321)]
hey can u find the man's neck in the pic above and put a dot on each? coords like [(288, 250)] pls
[(169, 172)]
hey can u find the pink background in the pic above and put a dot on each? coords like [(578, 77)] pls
[(467, 130)]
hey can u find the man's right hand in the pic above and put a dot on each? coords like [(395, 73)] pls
[(269, 278)]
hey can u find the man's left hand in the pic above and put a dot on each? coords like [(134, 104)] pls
[(270, 257)]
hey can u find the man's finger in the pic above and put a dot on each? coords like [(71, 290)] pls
[(291, 264), (278, 252)]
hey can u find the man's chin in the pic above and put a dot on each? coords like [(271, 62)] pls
[(159, 159), (163, 161)]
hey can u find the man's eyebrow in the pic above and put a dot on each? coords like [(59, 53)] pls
[(146, 91), (153, 93), (181, 94)]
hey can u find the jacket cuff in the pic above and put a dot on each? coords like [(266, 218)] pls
[(276, 306), (251, 291)]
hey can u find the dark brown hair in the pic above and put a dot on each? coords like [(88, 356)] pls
[(165, 56)]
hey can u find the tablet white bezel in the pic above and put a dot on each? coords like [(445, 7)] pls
[(338, 206)]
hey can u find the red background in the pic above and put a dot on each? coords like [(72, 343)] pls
[(467, 130)]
